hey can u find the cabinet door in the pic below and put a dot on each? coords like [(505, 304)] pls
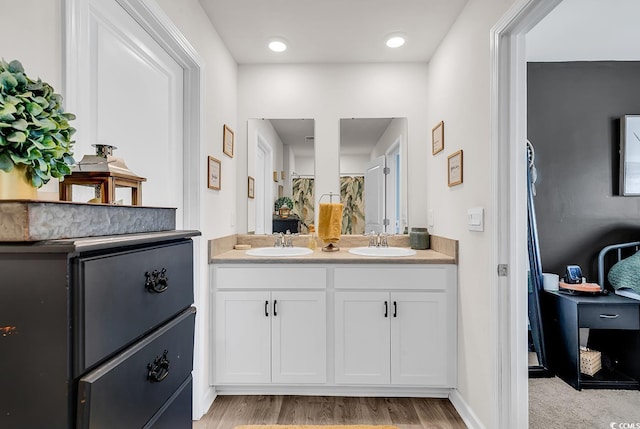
[(362, 338), (299, 337), (243, 337), (419, 338)]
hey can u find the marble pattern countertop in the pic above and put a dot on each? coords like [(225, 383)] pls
[(340, 257), (443, 251)]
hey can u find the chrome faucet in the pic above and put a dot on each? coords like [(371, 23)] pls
[(378, 239), (373, 239), (288, 239), (382, 240)]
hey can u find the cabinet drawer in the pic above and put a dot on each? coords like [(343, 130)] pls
[(115, 306), (610, 316), (121, 394), (396, 277), (274, 277)]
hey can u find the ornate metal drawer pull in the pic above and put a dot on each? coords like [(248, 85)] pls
[(157, 281), (159, 369)]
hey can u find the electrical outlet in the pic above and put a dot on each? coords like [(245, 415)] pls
[(475, 219)]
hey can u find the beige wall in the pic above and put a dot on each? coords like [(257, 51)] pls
[(459, 94)]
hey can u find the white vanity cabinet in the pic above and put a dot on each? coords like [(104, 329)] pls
[(265, 332), (291, 328), (395, 325)]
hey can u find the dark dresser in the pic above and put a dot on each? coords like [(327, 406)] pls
[(97, 332)]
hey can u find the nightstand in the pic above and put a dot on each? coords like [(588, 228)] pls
[(614, 324)]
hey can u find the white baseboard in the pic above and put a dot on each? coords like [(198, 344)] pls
[(466, 413), (376, 391), (205, 403)]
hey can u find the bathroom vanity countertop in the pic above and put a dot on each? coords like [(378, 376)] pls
[(340, 257)]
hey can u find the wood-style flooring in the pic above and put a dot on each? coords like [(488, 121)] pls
[(228, 412)]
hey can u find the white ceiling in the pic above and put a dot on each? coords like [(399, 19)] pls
[(331, 31), (587, 30)]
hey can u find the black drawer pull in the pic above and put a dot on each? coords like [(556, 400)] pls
[(159, 369), (157, 281), (386, 309), (266, 309), (275, 307), (609, 316), (395, 309)]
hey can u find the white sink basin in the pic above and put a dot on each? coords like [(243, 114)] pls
[(382, 251), (279, 251)]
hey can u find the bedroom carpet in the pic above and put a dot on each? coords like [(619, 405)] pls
[(554, 404)]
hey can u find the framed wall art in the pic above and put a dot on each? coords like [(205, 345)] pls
[(251, 188), (630, 155), (454, 168), (437, 138), (227, 141), (213, 173)]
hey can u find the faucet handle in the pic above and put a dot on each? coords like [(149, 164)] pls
[(383, 239), (373, 238), (278, 239)]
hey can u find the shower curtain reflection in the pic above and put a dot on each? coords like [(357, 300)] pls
[(303, 201), (352, 196)]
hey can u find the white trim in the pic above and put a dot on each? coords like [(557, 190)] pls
[(335, 390), (466, 412), (153, 19), (508, 196)]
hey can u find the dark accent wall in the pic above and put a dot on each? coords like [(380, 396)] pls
[(574, 112)]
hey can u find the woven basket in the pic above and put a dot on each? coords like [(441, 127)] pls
[(590, 362)]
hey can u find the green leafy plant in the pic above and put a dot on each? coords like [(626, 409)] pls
[(34, 129), (282, 200)]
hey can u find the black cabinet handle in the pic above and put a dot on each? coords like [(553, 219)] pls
[(386, 309), (275, 307), (395, 309), (157, 281), (159, 369), (266, 309), (609, 316)]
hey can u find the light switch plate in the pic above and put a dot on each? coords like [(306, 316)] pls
[(475, 219)]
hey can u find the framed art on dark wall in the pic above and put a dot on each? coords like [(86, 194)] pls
[(214, 171), (630, 155)]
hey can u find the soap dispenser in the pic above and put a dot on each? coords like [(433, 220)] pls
[(312, 244)]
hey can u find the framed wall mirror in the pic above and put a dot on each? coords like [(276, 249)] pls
[(373, 175), (280, 153)]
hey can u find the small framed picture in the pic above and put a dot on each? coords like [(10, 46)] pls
[(213, 173), (227, 141), (437, 138), (454, 168), (251, 188)]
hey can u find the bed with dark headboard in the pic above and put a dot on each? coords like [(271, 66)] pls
[(619, 269)]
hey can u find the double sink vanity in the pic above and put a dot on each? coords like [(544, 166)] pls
[(380, 321)]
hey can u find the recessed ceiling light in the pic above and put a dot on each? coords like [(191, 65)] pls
[(395, 41), (277, 46)]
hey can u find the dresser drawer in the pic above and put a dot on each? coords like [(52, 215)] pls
[(176, 413), (611, 316), (122, 296), (121, 394)]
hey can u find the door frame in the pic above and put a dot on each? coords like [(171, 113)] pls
[(158, 25), (508, 324)]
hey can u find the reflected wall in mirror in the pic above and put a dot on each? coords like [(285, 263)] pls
[(280, 145), (373, 175)]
